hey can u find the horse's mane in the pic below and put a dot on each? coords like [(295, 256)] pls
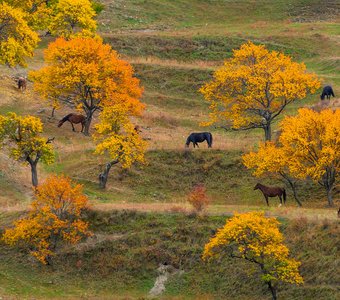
[(64, 119)]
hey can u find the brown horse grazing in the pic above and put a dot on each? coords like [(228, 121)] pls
[(73, 119), (22, 83), (271, 192)]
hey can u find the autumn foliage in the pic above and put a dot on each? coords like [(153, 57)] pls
[(54, 218), (308, 147), (253, 87), (17, 39), (21, 136), (198, 197), (91, 74), (257, 239)]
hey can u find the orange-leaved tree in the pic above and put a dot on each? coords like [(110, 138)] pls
[(198, 197), (253, 87), (257, 239), (311, 142), (21, 136), (17, 39), (271, 160), (90, 74), (118, 138), (54, 218), (72, 16)]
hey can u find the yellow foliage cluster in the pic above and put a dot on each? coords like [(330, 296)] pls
[(254, 237), (116, 135), (308, 147), (55, 216), (17, 39), (71, 16), (254, 86), (21, 135)]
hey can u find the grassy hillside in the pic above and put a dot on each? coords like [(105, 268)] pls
[(120, 262)]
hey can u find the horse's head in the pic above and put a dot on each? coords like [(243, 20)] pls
[(257, 186), (60, 123), (322, 96)]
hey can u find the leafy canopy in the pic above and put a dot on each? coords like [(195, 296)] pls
[(17, 39), (253, 237), (254, 86), (71, 16), (21, 136), (55, 217), (116, 136)]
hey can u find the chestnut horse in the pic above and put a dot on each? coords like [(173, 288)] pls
[(268, 191), (73, 119), (22, 83)]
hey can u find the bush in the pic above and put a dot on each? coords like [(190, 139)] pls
[(198, 197)]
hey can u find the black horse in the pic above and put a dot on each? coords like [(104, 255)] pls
[(199, 137), (327, 92)]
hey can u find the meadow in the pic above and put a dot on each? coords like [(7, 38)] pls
[(142, 219)]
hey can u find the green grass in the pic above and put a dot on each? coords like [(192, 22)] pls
[(144, 240)]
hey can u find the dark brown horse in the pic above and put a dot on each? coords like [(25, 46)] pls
[(271, 192), (73, 119), (22, 83)]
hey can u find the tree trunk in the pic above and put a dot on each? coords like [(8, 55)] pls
[(293, 186), (329, 197), (89, 115), (328, 183), (34, 173), (272, 290), (267, 132), (104, 176)]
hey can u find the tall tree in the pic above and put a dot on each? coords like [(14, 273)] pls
[(271, 160), (117, 137), (253, 87), (257, 239), (311, 141), (90, 74), (54, 218), (21, 136), (17, 39)]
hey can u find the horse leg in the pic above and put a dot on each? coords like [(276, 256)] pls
[(267, 200), (197, 145), (82, 126), (280, 199), (72, 126)]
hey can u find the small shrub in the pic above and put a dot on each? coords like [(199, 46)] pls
[(198, 198)]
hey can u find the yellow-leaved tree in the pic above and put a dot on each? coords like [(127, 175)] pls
[(72, 16), (54, 218), (257, 239), (90, 74), (117, 137), (270, 160), (38, 12), (311, 143), (17, 39), (21, 136), (253, 87)]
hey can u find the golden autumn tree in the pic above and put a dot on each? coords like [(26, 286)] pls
[(89, 73), (311, 143), (72, 16), (118, 138), (38, 12), (273, 161), (17, 39), (257, 239), (54, 218), (253, 87), (22, 137)]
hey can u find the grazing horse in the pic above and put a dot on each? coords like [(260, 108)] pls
[(73, 119), (22, 83), (327, 92), (268, 191), (199, 137)]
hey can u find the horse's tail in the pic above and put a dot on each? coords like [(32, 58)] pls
[(211, 139), (284, 196), (64, 119)]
